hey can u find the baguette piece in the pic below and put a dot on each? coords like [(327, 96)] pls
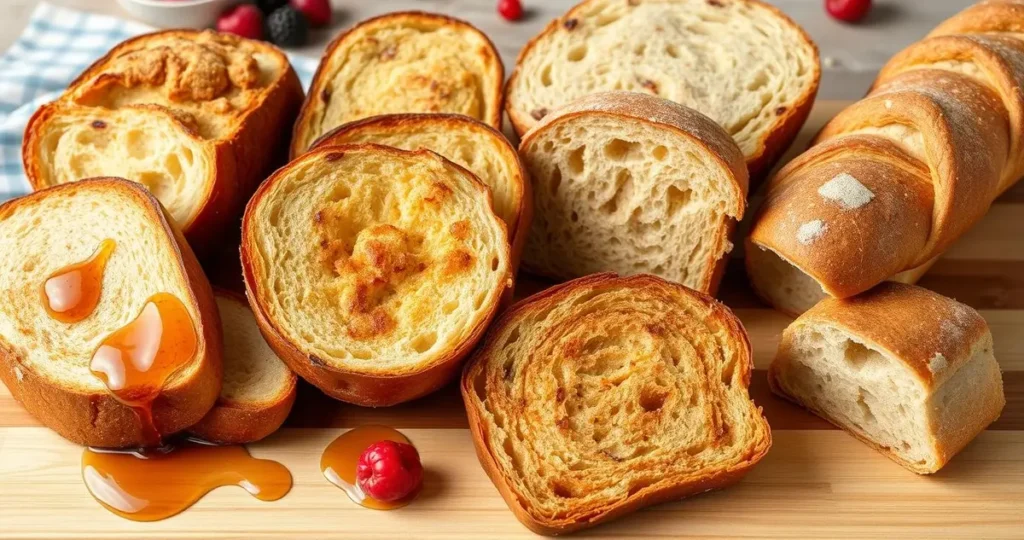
[(258, 390), (905, 370), (195, 116), (373, 271), (404, 62), (633, 183), (741, 62), (603, 395), (45, 363)]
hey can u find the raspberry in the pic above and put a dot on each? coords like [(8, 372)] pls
[(848, 10), (389, 471), (317, 12), (510, 10), (243, 20)]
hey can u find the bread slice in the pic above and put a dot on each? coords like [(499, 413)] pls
[(741, 62), (45, 363), (405, 62), (258, 390), (905, 370), (603, 395), (632, 183), (373, 271), (193, 115)]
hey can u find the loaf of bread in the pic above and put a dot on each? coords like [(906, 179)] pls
[(195, 116), (45, 362), (606, 394), (897, 177), (632, 183), (905, 370), (373, 271), (741, 62), (405, 62)]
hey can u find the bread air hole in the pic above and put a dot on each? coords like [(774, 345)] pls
[(652, 399), (672, 51), (677, 199), (423, 342), (576, 160), (577, 53), (561, 490), (545, 76), (478, 300), (339, 192), (660, 153), (360, 354), (619, 149), (494, 264), (556, 180), (623, 179), (605, 19), (449, 307)]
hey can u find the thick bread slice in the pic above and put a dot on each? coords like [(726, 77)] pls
[(905, 370), (741, 62), (406, 62), (605, 394), (632, 183), (373, 271), (259, 389), (44, 362), (199, 118)]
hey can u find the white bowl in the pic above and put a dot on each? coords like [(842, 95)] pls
[(177, 13)]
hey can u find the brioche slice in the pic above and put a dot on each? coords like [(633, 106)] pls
[(905, 370), (45, 363), (632, 183), (741, 62), (195, 116), (405, 62), (259, 389), (373, 271), (606, 394)]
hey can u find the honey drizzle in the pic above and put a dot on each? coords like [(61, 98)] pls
[(340, 458), (72, 293)]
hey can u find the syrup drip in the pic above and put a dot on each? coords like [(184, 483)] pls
[(136, 360), (340, 458), (157, 484), (72, 293)]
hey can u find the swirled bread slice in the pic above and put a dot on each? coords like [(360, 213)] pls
[(373, 271), (195, 116), (741, 62), (44, 362), (258, 390), (406, 62), (632, 183), (905, 370), (605, 394)]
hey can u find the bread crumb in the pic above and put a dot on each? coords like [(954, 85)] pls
[(811, 231), (847, 191), (18, 373), (938, 363)]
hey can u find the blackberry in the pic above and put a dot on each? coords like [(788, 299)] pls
[(270, 6), (287, 27)]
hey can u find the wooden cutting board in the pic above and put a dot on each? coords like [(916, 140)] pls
[(816, 482)]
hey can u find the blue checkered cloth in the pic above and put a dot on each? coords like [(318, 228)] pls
[(55, 47)]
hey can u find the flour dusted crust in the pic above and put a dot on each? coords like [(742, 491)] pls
[(194, 116), (405, 62)]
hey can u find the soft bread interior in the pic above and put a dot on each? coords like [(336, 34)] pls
[(253, 374), (781, 284)]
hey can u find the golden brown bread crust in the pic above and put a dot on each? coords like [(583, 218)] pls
[(99, 419)]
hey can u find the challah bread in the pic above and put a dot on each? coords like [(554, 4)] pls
[(900, 175), (741, 62), (603, 395), (632, 183), (45, 363), (373, 271), (258, 390), (905, 370), (195, 116), (405, 62)]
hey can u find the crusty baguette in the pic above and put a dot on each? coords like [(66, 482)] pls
[(605, 394), (258, 390), (905, 370), (199, 118), (632, 183), (897, 177), (45, 363), (404, 62), (741, 62), (373, 271)]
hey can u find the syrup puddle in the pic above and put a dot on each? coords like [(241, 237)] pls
[(340, 458)]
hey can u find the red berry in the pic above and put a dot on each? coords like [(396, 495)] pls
[(389, 471), (510, 10), (848, 10), (244, 20), (317, 12)]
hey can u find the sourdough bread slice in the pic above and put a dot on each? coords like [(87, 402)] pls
[(907, 371), (741, 62), (45, 363), (258, 390), (632, 183), (605, 394), (373, 271)]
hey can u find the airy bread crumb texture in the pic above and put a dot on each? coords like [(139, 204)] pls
[(253, 374), (791, 290)]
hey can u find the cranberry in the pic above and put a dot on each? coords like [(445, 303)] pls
[(317, 12), (244, 20), (848, 10), (388, 470), (510, 10)]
